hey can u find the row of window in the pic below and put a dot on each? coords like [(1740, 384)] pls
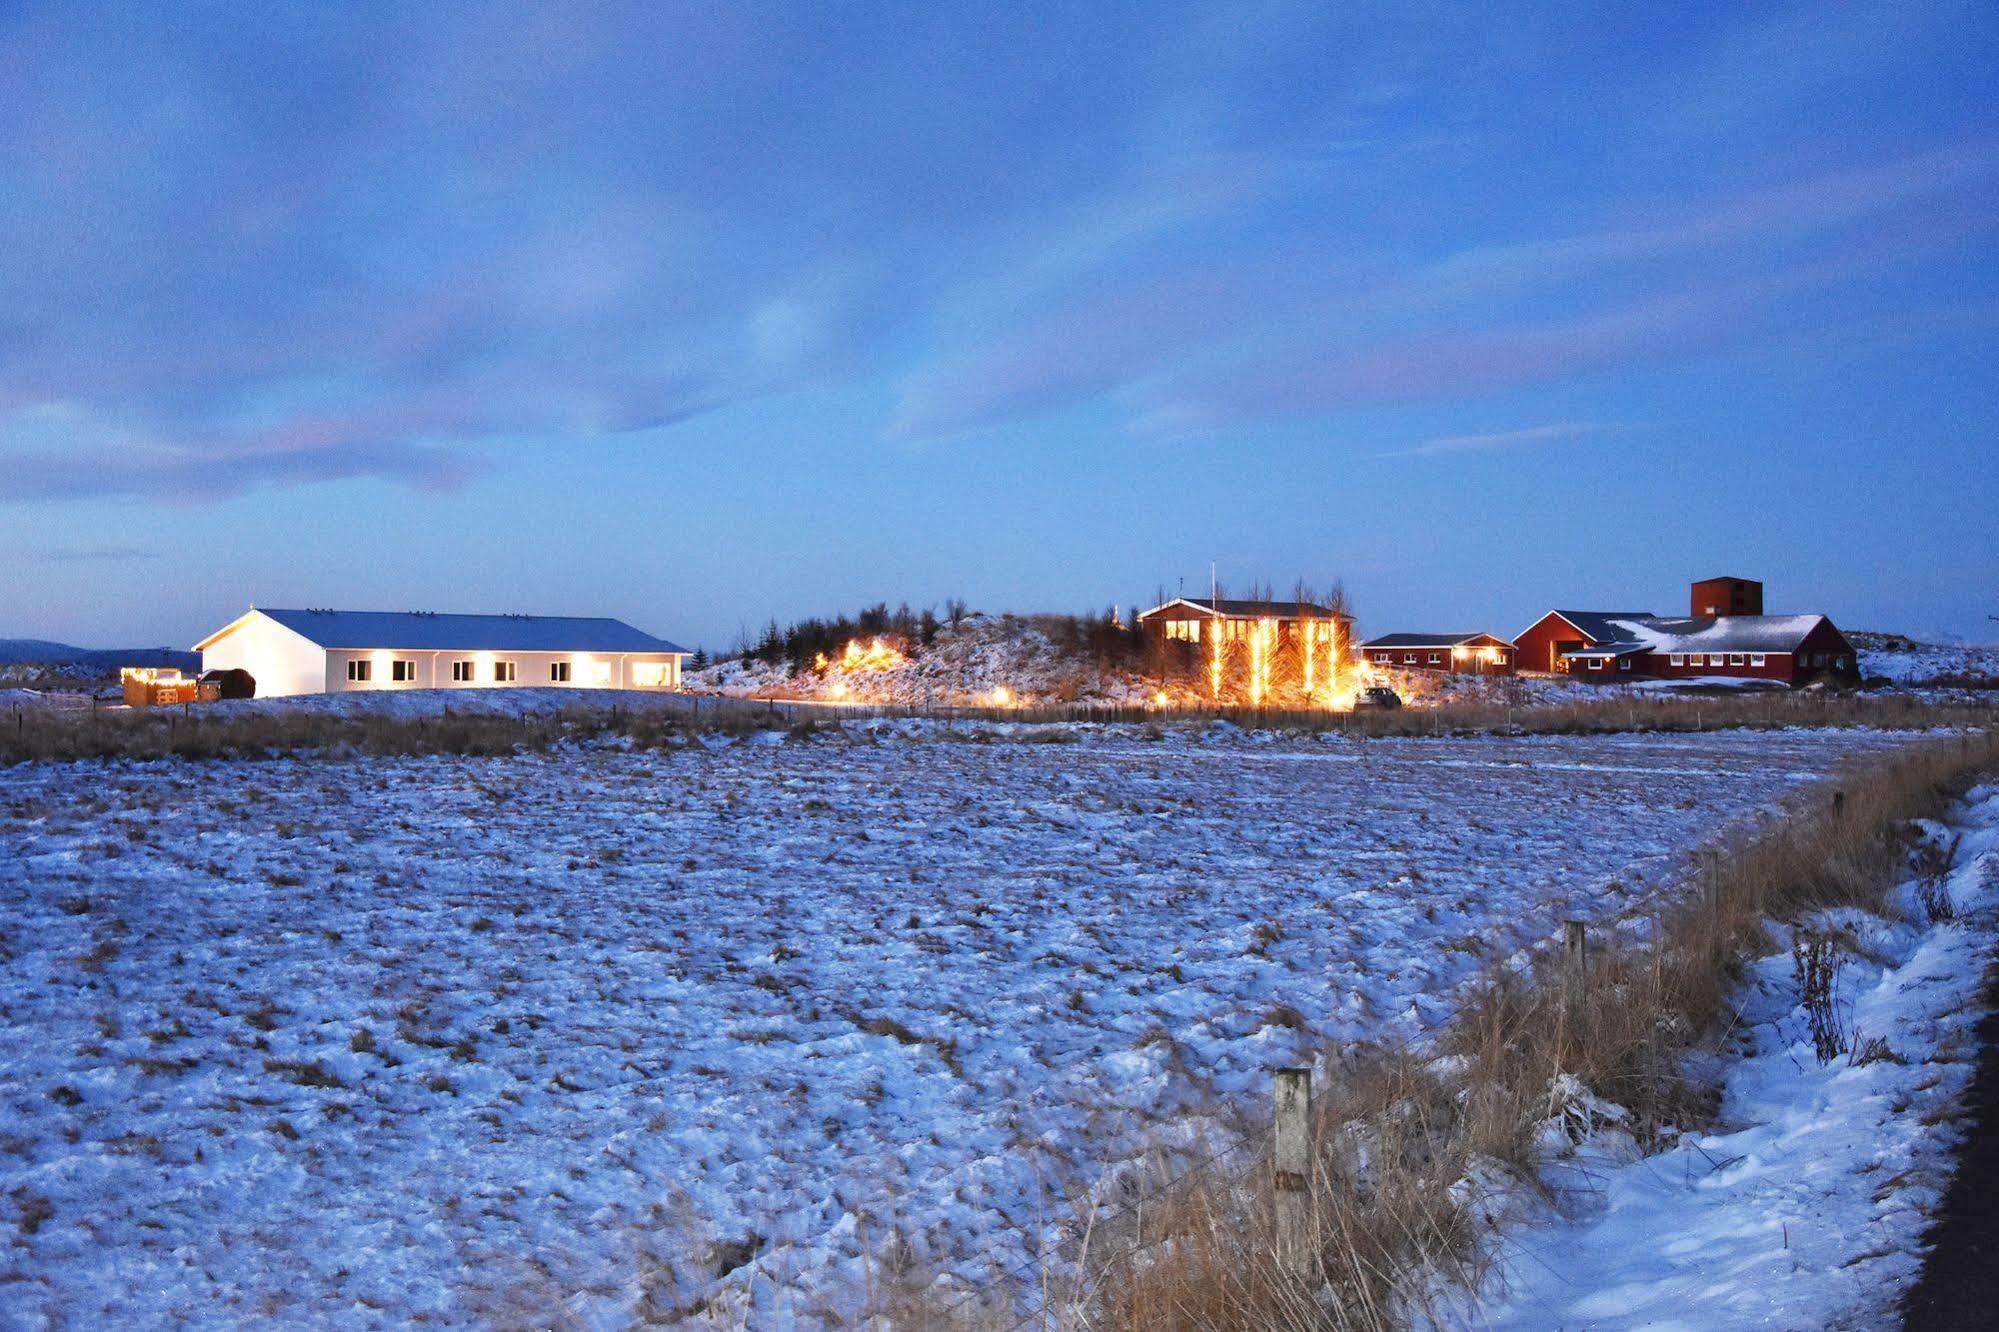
[(1435, 658), (1715, 659), (403, 671)]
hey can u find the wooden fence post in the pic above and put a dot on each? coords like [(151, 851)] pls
[(1575, 965), (1838, 803), (1291, 1156)]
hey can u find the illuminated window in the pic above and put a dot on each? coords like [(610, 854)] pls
[(503, 672), (1186, 631), (403, 672), (650, 674), (558, 672), (361, 671), (461, 671)]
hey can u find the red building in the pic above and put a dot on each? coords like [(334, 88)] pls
[(1623, 645), (1462, 654)]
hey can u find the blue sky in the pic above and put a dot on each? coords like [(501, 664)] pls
[(700, 314)]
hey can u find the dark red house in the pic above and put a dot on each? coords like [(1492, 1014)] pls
[(1608, 646), (1463, 654)]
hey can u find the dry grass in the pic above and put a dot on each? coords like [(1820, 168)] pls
[(197, 733), (1403, 1145), (39, 735)]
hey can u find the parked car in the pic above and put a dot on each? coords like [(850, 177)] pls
[(1377, 696)]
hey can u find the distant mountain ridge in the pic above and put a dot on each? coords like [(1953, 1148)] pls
[(43, 652)]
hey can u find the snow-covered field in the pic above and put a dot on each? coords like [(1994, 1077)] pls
[(1804, 1207), (1905, 661), (557, 1038)]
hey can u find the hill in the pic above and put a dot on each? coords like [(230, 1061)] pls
[(26, 660)]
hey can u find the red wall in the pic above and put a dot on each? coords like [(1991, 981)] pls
[(1538, 642), (1776, 666), (1728, 596), (1447, 662)]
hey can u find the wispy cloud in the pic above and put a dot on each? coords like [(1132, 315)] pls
[(68, 452), (93, 554), (1502, 439)]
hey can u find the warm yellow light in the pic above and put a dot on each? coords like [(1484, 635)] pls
[(1460, 653), (1002, 696), (875, 656), (649, 674), (840, 690), (1160, 700)]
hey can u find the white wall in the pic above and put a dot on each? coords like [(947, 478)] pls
[(282, 662), (433, 670)]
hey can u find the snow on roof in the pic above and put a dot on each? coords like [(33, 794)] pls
[(421, 631), (1427, 640), (1726, 633), (1599, 624), (1606, 651)]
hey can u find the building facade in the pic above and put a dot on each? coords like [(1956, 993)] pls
[(331, 651), (1607, 646), (1458, 654), (1245, 651)]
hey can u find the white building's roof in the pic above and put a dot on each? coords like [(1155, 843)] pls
[(429, 631)]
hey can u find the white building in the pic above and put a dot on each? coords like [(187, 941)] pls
[(332, 651)]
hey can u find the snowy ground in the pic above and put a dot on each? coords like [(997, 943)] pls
[(967, 665), (1804, 1208), (1906, 661), (454, 1040)]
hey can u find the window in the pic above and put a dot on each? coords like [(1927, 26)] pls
[(403, 672), (1596, 663), (1624, 663), (1187, 631), (361, 671), (558, 672), (503, 672), (1436, 657), (1756, 659), (652, 674), (461, 672), (1678, 659), (1736, 659)]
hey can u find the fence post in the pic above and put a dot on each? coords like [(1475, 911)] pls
[(1291, 1156), (1838, 803), (1575, 965)]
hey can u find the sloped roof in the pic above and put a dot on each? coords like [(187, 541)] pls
[(1599, 625), (1606, 651), (1726, 633), (428, 631), (1279, 609), (1431, 640)]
